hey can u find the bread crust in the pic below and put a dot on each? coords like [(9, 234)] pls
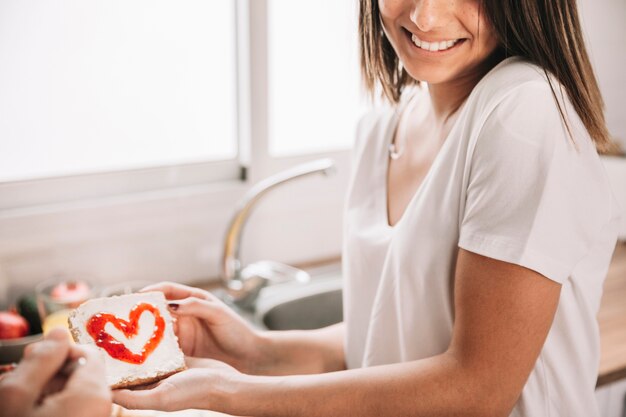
[(135, 382), (74, 331), (127, 382)]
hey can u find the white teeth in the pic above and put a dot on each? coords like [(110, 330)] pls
[(433, 46), (416, 40)]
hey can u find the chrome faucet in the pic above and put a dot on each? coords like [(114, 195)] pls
[(244, 284)]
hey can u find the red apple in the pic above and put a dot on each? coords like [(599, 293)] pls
[(70, 291), (12, 325)]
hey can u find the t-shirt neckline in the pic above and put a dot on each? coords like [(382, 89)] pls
[(389, 136)]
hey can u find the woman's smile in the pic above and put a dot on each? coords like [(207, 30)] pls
[(436, 47), (424, 34)]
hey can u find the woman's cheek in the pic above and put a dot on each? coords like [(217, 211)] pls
[(391, 9)]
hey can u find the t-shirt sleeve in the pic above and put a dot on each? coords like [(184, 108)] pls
[(532, 196)]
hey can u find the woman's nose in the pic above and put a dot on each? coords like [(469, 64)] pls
[(430, 14)]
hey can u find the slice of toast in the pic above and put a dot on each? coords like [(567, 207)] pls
[(134, 333)]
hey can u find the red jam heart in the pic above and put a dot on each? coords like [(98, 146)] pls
[(130, 328)]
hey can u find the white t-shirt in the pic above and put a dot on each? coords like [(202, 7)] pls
[(509, 184)]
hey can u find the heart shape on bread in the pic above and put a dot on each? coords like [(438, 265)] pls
[(115, 348)]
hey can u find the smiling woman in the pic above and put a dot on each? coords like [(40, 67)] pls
[(422, 46)]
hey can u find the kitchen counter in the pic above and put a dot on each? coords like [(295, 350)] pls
[(612, 319)]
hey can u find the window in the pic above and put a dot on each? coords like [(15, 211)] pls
[(315, 96), (96, 86), (125, 125)]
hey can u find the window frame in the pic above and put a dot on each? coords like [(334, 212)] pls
[(56, 190)]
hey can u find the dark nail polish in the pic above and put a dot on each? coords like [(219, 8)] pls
[(173, 306)]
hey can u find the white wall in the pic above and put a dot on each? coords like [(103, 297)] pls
[(604, 24), (169, 237)]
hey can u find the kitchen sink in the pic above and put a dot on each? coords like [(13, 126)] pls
[(296, 305)]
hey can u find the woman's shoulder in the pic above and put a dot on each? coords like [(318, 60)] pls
[(522, 82), (371, 130), (511, 75), (531, 178), (374, 123), (523, 99), (522, 120)]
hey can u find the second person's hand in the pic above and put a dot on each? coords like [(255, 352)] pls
[(37, 387)]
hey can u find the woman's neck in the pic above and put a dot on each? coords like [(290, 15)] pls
[(447, 97)]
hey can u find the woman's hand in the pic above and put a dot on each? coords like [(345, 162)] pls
[(206, 384), (208, 328), (34, 388)]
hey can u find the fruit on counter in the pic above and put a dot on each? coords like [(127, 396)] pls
[(12, 325), (56, 319), (70, 291), (27, 308)]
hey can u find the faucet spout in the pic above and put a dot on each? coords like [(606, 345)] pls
[(244, 283)]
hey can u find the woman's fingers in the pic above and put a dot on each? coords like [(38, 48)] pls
[(151, 399), (173, 290), (210, 311), (194, 387)]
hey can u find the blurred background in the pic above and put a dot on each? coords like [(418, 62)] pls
[(129, 130)]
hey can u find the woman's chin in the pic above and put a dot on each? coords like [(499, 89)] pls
[(435, 75)]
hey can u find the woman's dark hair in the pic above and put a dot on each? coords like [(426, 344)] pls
[(544, 32)]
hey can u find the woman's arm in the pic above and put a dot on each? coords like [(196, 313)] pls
[(503, 313), (301, 351), (208, 328)]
